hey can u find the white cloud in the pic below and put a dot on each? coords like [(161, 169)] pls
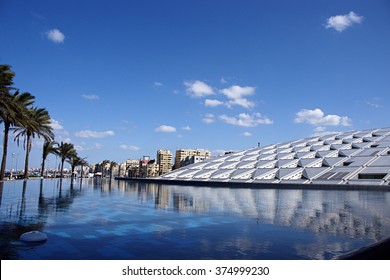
[(186, 128), (247, 134), (56, 36), (129, 147), (246, 120), (56, 125), (212, 103), (165, 129), (98, 146), (158, 84), (320, 129), (94, 134), (198, 89), (374, 102), (91, 96), (209, 118), (237, 94), (85, 147), (222, 81), (341, 22), (243, 102), (317, 117)]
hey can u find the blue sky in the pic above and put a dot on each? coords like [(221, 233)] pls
[(122, 79)]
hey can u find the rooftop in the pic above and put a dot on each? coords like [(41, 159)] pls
[(359, 157)]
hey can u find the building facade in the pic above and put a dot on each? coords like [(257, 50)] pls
[(186, 157), (164, 161)]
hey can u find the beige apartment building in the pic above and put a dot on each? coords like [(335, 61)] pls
[(186, 157), (164, 161)]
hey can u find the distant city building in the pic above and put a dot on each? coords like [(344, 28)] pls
[(148, 167), (132, 167), (164, 161), (152, 169), (186, 157)]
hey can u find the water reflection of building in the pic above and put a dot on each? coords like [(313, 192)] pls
[(343, 213)]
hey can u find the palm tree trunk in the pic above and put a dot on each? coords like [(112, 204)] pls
[(62, 167), (43, 168), (26, 162), (5, 148)]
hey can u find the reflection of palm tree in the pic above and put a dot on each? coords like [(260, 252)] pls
[(49, 147), (38, 123), (65, 151)]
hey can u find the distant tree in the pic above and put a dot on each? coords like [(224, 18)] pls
[(37, 124), (75, 161), (112, 165), (49, 147), (104, 163), (65, 151)]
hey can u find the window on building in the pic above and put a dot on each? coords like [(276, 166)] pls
[(371, 176)]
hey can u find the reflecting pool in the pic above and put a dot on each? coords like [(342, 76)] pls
[(103, 219)]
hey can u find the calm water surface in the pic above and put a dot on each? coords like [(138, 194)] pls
[(99, 219)]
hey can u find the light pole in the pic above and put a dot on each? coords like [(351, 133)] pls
[(16, 165), (12, 163), (48, 165)]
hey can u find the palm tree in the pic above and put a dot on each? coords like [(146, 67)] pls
[(14, 113), (112, 165), (38, 123), (13, 108), (49, 147), (6, 81), (76, 161), (104, 163), (65, 151)]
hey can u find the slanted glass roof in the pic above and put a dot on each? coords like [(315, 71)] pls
[(355, 158)]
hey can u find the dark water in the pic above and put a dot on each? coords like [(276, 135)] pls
[(122, 220)]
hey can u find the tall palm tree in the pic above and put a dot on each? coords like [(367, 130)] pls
[(6, 81), (112, 165), (49, 147), (37, 124), (13, 108), (65, 151)]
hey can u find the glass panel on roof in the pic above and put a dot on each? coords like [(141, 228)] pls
[(268, 152), (250, 157), (369, 152), (328, 137), (228, 165), (344, 136), (247, 164), (381, 161), (266, 164), (234, 158), (305, 149), (318, 143)]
